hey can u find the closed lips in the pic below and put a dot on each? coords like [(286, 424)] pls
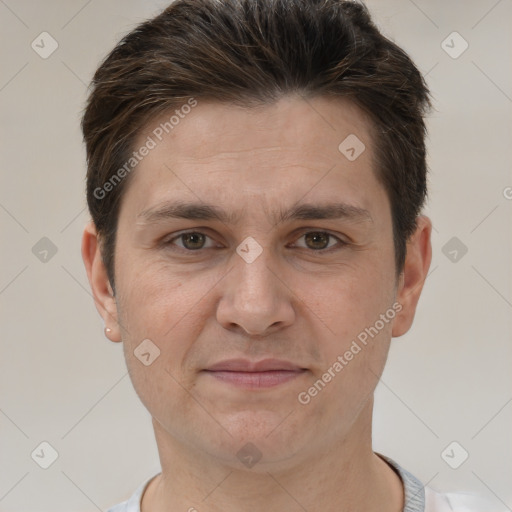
[(245, 365)]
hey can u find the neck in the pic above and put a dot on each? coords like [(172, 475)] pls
[(346, 476)]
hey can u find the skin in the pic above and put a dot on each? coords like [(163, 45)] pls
[(302, 299)]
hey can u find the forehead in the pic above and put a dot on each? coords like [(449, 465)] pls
[(293, 121), (294, 147)]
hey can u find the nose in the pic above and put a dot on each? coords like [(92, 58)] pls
[(255, 297)]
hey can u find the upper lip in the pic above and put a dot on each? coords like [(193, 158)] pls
[(244, 365)]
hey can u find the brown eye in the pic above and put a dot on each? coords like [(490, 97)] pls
[(317, 240), (321, 242), (192, 241), (189, 241)]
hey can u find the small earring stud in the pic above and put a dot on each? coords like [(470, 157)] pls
[(108, 330)]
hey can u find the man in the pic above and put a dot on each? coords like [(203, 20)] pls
[(256, 174)]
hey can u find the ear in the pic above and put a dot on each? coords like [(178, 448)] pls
[(417, 263), (102, 291)]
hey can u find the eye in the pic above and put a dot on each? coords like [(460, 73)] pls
[(192, 240), (319, 240), (195, 241)]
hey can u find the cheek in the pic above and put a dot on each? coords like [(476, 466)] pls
[(169, 308), (353, 354), (356, 333), (157, 305), (154, 297), (351, 301)]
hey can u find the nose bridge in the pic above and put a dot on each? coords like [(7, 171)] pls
[(255, 299), (255, 282)]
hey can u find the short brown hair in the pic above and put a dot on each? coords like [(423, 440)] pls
[(252, 52)]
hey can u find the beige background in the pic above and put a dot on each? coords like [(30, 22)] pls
[(62, 382)]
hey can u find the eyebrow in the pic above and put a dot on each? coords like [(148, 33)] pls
[(202, 211)]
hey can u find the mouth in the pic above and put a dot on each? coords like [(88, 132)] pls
[(254, 375)]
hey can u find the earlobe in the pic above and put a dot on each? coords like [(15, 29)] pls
[(412, 278), (102, 292)]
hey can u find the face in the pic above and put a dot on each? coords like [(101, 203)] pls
[(255, 256)]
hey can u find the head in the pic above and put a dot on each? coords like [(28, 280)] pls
[(295, 128)]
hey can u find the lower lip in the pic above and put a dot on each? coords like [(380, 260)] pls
[(256, 380)]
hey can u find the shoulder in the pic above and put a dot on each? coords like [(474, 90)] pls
[(458, 502), (120, 507), (133, 503)]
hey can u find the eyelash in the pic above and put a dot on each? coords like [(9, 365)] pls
[(341, 243)]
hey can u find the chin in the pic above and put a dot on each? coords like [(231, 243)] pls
[(257, 439)]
